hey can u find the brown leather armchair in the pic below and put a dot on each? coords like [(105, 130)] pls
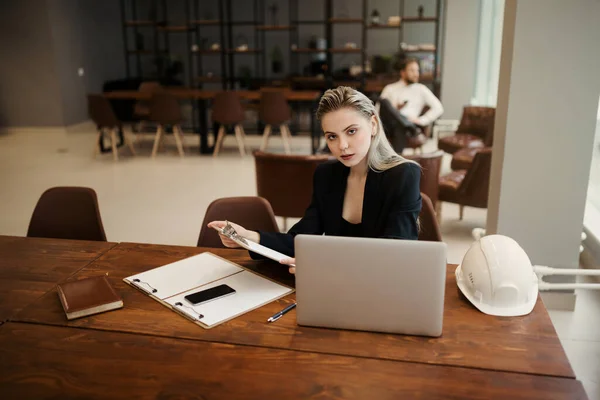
[(286, 181), (431, 164), (468, 187), (475, 130)]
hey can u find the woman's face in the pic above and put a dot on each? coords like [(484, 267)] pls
[(348, 134)]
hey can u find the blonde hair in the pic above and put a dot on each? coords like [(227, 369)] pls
[(381, 155)]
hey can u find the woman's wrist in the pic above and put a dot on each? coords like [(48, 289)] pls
[(254, 236)]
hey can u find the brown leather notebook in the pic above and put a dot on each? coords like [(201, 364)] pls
[(88, 296)]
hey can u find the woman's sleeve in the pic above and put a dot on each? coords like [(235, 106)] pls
[(311, 224), (406, 204)]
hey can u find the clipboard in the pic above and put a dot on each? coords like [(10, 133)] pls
[(229, 232), (170, 283)]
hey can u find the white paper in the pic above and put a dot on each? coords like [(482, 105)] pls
[(181, 275), (252, 291)]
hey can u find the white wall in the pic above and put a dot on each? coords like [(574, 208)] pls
[(459, 58), (545, 124)]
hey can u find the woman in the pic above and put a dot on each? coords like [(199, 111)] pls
[(370, 191)]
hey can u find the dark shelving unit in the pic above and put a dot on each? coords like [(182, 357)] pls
[(194, 28)]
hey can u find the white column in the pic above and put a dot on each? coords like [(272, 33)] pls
[(545, 122), (461, 24)]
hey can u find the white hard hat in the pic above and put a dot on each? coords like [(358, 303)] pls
[(497, 277)]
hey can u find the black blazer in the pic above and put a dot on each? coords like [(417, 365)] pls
[(391, 206)]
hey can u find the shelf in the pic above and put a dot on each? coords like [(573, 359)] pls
[(307, 50), (417, 19), (419, 51), (144, 52), (384, 26), (175, 28), (243, 23), (207, 52), (208, 79), (346, 20), (275, 27), (249, 51), (343, 50), (206, 22), (308, 22), (140, 23)]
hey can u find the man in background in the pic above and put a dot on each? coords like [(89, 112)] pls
[(409, 97)]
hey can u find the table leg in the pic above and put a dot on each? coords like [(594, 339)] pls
[(204, 148)]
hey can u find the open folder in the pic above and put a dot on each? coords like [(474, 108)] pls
[(170, 284)]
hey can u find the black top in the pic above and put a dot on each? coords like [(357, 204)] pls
[(391, 206), (349, 229)]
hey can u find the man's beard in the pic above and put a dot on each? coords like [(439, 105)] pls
[(410, 81)]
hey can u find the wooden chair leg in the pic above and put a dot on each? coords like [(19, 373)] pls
[(285, 224), (286, 137), (240, 140), (178, 134), (157, 138), (97, 144), (438, 212), (113, 143), (128, 142), (219, 141), (265, 138), (461, 212), (243, 132)]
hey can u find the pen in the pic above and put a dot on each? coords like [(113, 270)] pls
[(280, 313)]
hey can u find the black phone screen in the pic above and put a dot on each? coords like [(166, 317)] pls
[(209, 294)]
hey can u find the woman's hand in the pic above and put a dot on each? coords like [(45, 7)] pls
[(243, 232), (291, 262)]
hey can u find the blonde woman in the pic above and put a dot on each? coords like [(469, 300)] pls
[(369, 191)]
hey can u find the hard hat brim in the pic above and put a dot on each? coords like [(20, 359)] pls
[(520, 310)]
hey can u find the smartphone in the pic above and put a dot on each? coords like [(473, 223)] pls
[(209, 294)]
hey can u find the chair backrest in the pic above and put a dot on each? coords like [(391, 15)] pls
[(165, 109), (431, 164), (101, 112), (67, 213), (142, 107), (227, 108), (429, 228), (474, 187), (286, 181), (150, 87), (476, 121), (273, 108), (253, 213)]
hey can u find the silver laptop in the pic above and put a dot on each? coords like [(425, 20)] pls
[(381, 285)]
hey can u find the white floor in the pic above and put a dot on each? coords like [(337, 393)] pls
[(163, 201)]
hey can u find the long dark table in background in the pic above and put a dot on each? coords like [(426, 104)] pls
[(308, 97)]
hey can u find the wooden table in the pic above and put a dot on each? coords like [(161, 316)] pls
[(199, 94), (29, 267), (146, 350), (55, 362), (298, 96)]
